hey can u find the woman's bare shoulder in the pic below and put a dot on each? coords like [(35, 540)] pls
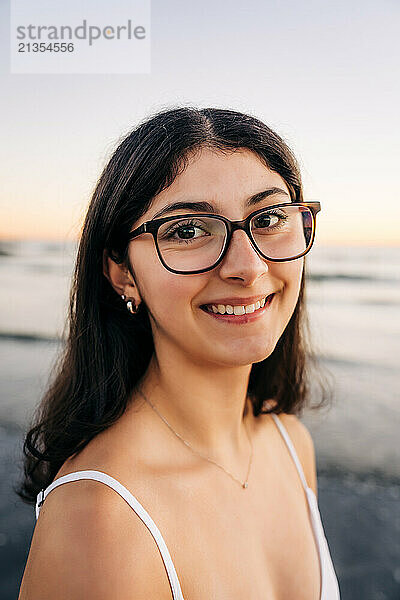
[(88, 543)]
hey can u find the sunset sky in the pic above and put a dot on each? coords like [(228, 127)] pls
[(325, 76)]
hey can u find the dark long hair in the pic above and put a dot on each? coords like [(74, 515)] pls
[(107, 350)]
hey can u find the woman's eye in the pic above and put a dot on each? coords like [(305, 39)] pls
[(181, 232), (270, 219), (186, 231)]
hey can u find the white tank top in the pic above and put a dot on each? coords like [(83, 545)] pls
[(329, 583)]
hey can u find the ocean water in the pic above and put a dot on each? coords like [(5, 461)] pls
[(353, 297), (354, 303)]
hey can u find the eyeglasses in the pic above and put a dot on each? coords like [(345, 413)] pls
[(197, 242)]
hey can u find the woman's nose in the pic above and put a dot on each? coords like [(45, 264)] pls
[(242, 260)]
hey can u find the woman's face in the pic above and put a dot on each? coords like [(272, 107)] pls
[(174, 301)]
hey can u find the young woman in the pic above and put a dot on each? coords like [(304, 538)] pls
[(183, 375)]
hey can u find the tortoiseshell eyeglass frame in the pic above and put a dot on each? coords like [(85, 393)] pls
[(153, 226)]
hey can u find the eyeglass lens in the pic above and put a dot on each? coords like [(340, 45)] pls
[(195, 243)]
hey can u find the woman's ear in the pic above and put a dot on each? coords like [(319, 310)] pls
[(118, 275)]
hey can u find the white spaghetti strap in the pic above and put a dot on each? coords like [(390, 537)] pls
[(133, 503), (292, 450), (329, 584)]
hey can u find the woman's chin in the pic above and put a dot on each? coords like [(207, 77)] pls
[(240, 353)]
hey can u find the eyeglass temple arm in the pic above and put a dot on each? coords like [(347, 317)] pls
[(138, 231), (314, 206)]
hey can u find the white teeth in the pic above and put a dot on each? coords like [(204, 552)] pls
[(236, 310)]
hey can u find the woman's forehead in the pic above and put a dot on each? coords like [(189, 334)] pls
[(223, 180), (209, 170)]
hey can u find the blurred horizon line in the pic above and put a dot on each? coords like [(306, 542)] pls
[(319, 242)]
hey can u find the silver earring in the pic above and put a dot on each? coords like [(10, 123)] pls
[(131, 306)]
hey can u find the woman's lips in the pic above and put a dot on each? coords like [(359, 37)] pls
[(240, 319)]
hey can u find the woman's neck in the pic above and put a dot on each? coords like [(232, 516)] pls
[(206, 404)]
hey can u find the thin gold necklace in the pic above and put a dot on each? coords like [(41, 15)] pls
[(244, 483)]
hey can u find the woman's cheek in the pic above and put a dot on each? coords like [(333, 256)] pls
[(171, 297)]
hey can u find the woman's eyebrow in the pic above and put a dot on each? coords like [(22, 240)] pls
[(204, 206)]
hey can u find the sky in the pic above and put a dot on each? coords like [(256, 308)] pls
[(324, 75)]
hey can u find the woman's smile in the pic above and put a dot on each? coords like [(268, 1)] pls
[(233, 314)]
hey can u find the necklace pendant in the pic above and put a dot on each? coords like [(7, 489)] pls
[(245, 484)]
